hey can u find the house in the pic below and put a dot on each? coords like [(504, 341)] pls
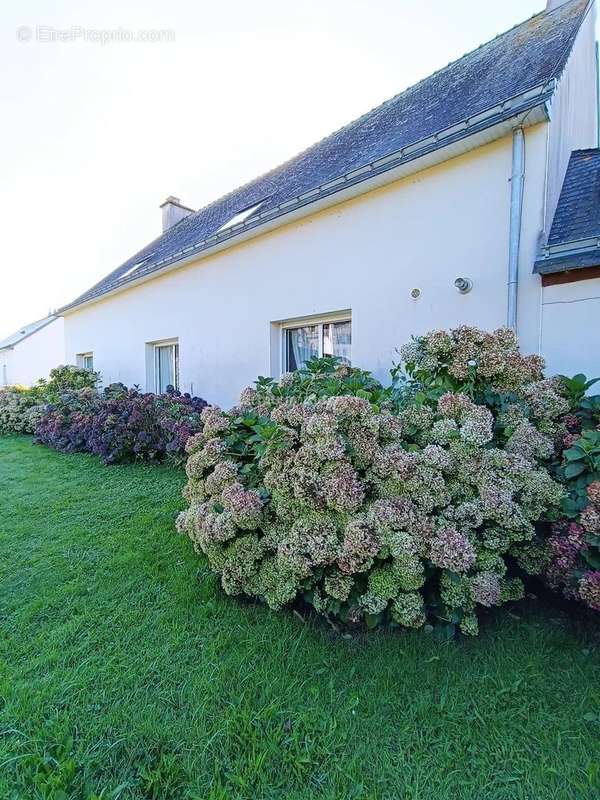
[(471, 197), (31, 352)]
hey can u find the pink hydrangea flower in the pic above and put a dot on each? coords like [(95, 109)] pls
[(451, 550), (589, 589)]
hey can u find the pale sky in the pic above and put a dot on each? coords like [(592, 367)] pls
[(95, 136)]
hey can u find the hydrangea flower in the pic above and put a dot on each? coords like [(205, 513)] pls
[(486, 589), (589, 589), (451, 550)]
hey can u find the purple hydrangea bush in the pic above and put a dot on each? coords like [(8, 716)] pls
[(377, 505), (121, 424), (65, 424), (134, 426)]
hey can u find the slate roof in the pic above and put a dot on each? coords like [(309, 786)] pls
[(25, 331), (574, 240), (527, 56)]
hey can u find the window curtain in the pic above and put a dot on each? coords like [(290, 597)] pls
[(304, 345), (166, 372), (342, 340)]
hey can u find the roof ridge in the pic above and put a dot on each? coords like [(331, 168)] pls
[(364, 115)]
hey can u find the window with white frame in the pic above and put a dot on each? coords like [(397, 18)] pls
[(241, 216), (319, 338), (86, 361), (166, 366)]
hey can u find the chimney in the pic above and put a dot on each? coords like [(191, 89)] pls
[(173, 212)]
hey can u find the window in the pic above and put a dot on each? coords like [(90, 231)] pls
[(166, 366), (86, 361), (241, 216), (133, 269), (319, 339)]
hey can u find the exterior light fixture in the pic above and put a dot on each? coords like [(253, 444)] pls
[(463, 285), (415, 294)]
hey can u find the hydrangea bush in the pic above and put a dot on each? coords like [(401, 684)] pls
[(574, 567), (19, 410), (22, 407), (411, 504), (133, 426), (120, 424)]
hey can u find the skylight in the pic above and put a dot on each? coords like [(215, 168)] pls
[(241, 216), (133, 269)]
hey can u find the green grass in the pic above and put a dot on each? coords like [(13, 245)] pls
[(126, 673)]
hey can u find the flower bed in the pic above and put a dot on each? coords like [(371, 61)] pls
[(421, 502)]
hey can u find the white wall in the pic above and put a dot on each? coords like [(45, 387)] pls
[(365, 255), (570, 322), (574, 116), (571, 325), (36, 355), (6, 357)]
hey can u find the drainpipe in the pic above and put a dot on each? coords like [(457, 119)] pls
[(517, 182)]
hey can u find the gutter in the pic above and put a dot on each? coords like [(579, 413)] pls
[(536, 97), (516, 219)]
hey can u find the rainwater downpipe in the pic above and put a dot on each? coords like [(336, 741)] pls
[(517, 182)]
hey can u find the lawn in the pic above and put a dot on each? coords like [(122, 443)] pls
[(126, 673)]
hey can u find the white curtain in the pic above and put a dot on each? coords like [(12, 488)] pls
[(305, 345), (342, 340), (166, 367)]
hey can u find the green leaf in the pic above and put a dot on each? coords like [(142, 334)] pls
[(572, 470), (573, 454)]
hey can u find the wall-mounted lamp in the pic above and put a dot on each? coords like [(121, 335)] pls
[(463, 285), (415, 294)]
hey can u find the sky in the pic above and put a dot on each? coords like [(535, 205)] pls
[(108, 108)]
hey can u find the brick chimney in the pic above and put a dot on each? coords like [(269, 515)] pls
[(173, 212)]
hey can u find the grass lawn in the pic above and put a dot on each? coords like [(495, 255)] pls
[(126, 673)]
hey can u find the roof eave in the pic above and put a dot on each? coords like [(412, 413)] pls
[(527, 109), (46, 322), (566, 256)]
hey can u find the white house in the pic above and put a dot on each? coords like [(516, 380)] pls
[(31, 352), (448, 204)]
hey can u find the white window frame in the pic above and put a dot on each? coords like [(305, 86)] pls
[(240, 217), (174, 343), (133, 269), (300, 322), (81, 358)]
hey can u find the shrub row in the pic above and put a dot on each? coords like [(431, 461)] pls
[(21, 407), (118, 424), (425, 501)]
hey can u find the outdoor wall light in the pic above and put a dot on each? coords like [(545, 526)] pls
[(415, 294), (463, 285)]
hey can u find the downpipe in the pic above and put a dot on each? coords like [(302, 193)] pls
[(517, 182)]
